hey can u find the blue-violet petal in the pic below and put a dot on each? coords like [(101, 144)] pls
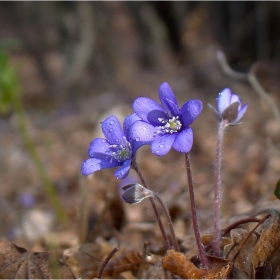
[(241, 112), (113, 131), (162, 145), (168, 100), (149, 110), (183, 141), (123, 171), (223, 100), (94, 164), (128, 122), (99, 147), (190, 111)]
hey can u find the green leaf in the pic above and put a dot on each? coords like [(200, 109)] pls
[(277, 189)]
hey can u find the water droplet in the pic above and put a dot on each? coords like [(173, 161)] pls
[(103, 141), (137, 139), (138, 133), (148, 135), (133, 132), (144, 128), (110, 130), (161, 146), (157, 152), (142, 111), (112, 122)]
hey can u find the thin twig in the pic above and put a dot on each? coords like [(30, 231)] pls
[(253, 81), (143, 261), (105, 262)]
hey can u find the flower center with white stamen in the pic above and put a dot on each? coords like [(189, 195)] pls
[(171, 125), (121, 152)]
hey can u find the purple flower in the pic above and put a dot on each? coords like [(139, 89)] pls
[(167, 125), (229, 107), (116, 150)]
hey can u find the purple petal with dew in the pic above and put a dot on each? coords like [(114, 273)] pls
[(137, 144), (162, 145), (99, 147), (128, 122), (190, 111), (94, 164), (149, 110), (168, 100), (223, 100), (241, 112), (123, 171), (143, 132), (183, 141), (113, 131)]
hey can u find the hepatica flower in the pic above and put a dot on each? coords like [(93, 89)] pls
[(116, 150), (229, 107), (165, 125)]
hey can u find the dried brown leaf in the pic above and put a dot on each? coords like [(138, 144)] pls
[(128, 261), (177, 263), (243, 261), (265, 256), (17, 263), (86, 258)]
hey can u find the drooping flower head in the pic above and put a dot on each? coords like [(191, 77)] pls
[(165, 125), (229, 107), (118, 149)]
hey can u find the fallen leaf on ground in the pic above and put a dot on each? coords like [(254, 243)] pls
[(17, 263)]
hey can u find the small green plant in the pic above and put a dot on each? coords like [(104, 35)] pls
[(10, 101)]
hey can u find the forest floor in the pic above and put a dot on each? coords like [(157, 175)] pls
[(97, 215)]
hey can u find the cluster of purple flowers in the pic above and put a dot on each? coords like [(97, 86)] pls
[(161, 126)]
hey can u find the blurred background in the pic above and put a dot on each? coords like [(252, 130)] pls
[(79, 62)]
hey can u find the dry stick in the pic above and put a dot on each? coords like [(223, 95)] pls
[(251, 78), (200, 246), (229, 228), (143, 261), (105, 262), (248, 236), (163, 232)]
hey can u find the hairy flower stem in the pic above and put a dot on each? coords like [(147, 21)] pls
[(200, 246), (218, 185), (163, 232)]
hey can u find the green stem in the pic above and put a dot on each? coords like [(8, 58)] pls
[(49, 188)]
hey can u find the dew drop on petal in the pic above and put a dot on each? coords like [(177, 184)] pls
[(161, 146), (144, 128), (103, 141), (157, 152), (110, 130), (112, 122), (137, 139)]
